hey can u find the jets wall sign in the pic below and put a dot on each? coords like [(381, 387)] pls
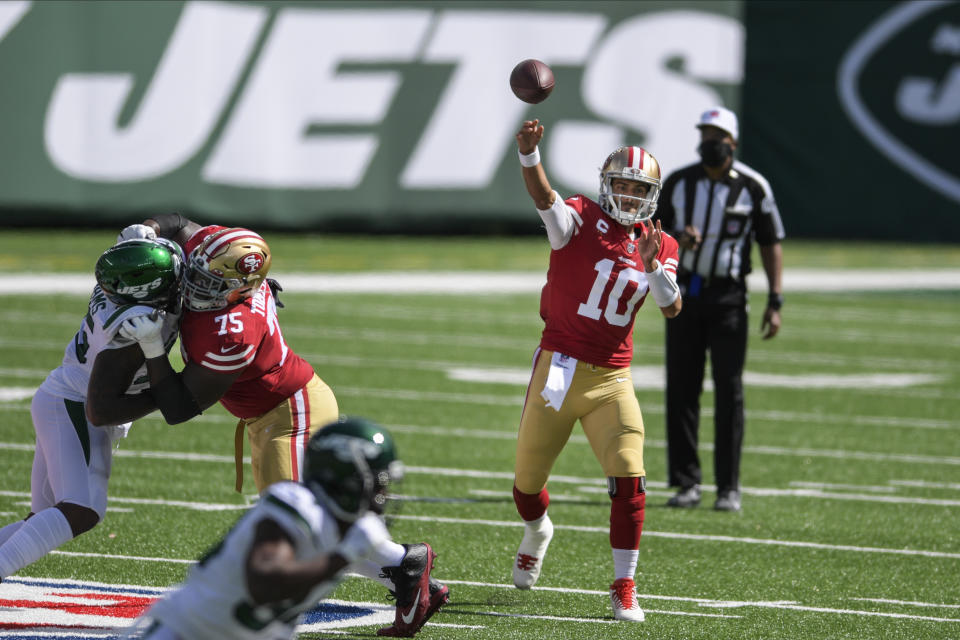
[(305, 109), (909, 116)]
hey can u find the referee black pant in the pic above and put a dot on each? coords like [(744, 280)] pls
[(721, 329)]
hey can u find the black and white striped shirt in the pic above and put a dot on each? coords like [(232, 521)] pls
[(728, 212)]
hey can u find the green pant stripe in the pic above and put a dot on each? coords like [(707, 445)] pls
[(78, 416)]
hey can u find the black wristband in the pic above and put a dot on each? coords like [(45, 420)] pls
[(775, 301), (169, 224)]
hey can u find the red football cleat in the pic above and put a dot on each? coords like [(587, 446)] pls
[(418, 595)]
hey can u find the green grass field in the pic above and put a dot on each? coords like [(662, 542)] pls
[(851, 468)]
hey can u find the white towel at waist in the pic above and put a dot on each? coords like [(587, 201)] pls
[(558, 380)]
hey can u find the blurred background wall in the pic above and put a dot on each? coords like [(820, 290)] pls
[(398, 117)]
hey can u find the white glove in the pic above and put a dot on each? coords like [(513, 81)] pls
[(137, 232), (146, 331), (363, 538)]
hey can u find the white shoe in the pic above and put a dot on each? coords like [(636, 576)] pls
[(529, 560), (623, 597)]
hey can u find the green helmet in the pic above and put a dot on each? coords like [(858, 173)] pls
[(349, 465), (147, 272)]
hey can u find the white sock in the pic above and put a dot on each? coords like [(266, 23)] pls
[(9, 530), (388, 554), (372, 570), (625, 562), (37, 537), (539, 524)]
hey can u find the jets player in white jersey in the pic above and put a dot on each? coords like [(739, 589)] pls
[(292, 548), (98, 383)]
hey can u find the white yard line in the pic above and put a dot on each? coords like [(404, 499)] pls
[(502, 282), (926, 485), (694, 536), (708, 602), (910, 603), (577, 439), (700, 602), (515, 524), (787, 493)]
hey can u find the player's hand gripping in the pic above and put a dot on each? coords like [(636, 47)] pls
[(529, 136), (146, 330), (648, 242), (363, 538), (137, 232)]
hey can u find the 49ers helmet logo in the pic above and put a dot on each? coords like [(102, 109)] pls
[(250, 263)]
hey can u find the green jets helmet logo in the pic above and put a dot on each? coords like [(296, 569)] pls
[(140, 291)]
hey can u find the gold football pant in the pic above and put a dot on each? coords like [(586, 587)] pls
[(278, 438), (605, 403)]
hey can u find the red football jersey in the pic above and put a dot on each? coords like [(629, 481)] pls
[(244, 337), (595, 285)]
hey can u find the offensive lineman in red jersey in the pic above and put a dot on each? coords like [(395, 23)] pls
[(235, 353), (603, 263)]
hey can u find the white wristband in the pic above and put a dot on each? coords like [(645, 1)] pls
[(663, 288), (531, 159), (153, 349)]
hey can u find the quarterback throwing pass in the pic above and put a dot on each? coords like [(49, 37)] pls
[(605, 259)]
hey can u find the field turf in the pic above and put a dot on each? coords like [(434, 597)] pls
[(851, 469)]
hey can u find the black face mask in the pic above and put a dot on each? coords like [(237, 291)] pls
[(714, 152)]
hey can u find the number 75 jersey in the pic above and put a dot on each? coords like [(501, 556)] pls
[(245, 339), (595, 285)]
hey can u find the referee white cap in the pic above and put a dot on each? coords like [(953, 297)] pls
[(721, 118)]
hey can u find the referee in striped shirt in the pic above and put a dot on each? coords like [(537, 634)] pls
[(715, 208)]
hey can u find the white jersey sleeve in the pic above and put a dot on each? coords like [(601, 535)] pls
[(98, 332), (215, 604), (561, 221)]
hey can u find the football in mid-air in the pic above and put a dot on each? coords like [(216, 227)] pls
[(531, 81)]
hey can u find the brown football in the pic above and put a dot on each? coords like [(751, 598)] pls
[(531, 81)]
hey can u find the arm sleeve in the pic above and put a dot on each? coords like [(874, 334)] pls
[(562, 221), (169, 224)]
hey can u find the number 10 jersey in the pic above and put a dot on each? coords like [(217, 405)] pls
[(595, 285)]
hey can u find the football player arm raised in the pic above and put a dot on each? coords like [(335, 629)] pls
[(107, 401), (560, 220), (534, 177), (173, 226)]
